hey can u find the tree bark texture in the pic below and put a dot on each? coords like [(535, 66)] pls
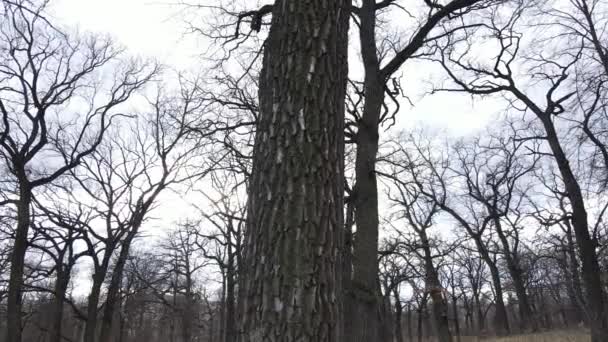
[(291, 276)]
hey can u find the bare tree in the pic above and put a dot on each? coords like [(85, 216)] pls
[(419, 213), (380, 63), (120, 183), (222, 244), (494, 171), (551, 74), (43, 71)]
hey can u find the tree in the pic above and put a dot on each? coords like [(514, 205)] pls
[(222, 245), (380, 63), (551, 74), (494, 171), (44, 71), (290, 282), (419, 213), (438, 184)]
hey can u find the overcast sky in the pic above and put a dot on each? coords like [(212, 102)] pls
[(156, 29)]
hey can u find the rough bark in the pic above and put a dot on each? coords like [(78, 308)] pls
[(291, 276)]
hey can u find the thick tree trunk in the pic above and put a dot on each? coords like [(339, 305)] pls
[(15, 284), (291, 276), (598, 321), (501, 319)]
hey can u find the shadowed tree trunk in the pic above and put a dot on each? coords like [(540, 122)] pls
[(290, 284), (61, 286), (398, 315)]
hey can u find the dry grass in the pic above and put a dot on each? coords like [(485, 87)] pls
[(556, 336)]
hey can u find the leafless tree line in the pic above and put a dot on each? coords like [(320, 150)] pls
[(308, 222)]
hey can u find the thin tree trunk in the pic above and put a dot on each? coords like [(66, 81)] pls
[(230, 323), (456, 318), (398, 316), (291, 276), (586, 246), (410, 327), (501, 320), (364, 297), (526, 320), (113, 295), (15, 283), (90, 330), (433, 285), (61, 285), (419, 327)]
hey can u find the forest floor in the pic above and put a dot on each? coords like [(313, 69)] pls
[(555, 336)]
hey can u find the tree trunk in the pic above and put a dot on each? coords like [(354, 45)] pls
[(230, 316), (419, 327), (433, 285), (291, 276), (410, 327), (456, 320), (15, 284), (398, 316), (113, 296), (90, 330), (526, 320), (501, 320), (480, 316), (586, 246), (61, 286), (364, 314), (575, 290)]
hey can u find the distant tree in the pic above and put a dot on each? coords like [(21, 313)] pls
[(54, 112), (552, 74)]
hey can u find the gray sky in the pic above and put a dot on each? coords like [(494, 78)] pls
[(156, 29)]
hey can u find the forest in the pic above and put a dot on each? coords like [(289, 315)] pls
[(279, 189)]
